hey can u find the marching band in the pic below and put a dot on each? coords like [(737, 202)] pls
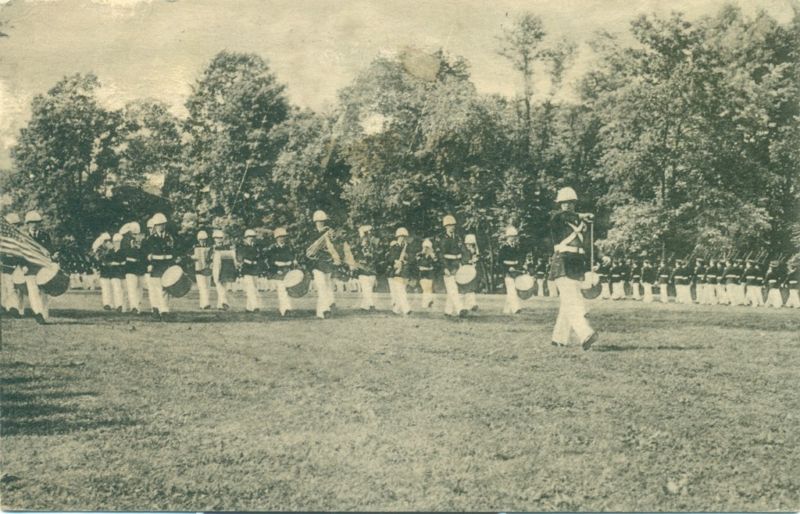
[(128, 261)]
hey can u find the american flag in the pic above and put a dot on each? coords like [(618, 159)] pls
[(15, 243)]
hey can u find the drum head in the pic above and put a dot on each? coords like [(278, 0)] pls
[(293, 278), (466, 274), (46, 274), (524, 282), (18, 276), (592, 292), (171, 276)]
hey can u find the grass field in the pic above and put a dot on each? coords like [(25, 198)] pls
[(676, 408)]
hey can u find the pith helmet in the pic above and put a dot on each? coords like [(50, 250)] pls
[(32, 217), (249, 233), (470, 239), (13, 218), (566, 194), (319, 216), (448, 220), (401, 232), (202, 235), (159, 219), (511, 231), (280, 232), (217, 234)]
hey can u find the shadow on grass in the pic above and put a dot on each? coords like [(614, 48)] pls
[(36, 400), (635, 348)]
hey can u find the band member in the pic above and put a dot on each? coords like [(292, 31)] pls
[(635, 278), (664, 279), (773, 279), (223, 267), (426, 265), (160, 250), (324, 259), (711, 283), (12, 299), (399, 271), (649, 279), (471, 256), (117, 273), (618, 276), (540, 272), (151, 295), (364, 266), (511, 259), (281, 259), (568, 268), (450, 252), (792, 283), (699, 279), (248, 259), (719, 273), (102, 249), (752, 281), (201, 255), (135, 264), (604, 273), (733, 286), (681, 279), (38, 299)]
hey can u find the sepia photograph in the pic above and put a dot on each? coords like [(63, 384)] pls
[(400, 255)]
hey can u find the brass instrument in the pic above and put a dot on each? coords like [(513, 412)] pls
[(324, 239), (398, 264)]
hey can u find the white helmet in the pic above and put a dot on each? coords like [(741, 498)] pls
[(566, 194), (319, 216), (159, 219), (427, 243), (32, 217), (279, 232), (202, 235), (470, 239), (448, 220), (134, 227), (401, 232), (363, 229), (102, 238), (13, 218), (150, 223), (117, 237), (249, 233), (511, 231), (217, 233)]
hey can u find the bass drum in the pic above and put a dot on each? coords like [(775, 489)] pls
[(467, 278), (525, 285), (296, 283), (52, 280), (591, 288), (175, 282)]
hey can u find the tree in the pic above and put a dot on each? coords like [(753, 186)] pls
[(228, 161), (64, 156)]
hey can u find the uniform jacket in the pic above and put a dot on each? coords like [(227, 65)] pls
[(281, 260), (569, 255), (248, 256), (450, 251), (160, 250), (511, 260)]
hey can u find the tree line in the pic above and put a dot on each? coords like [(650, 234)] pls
[(684, 137)]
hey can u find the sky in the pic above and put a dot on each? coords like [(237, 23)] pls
[(158, 48)]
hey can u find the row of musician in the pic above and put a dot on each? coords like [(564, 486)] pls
[(130, 262)]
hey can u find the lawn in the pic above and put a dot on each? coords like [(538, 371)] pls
[(676, 408)]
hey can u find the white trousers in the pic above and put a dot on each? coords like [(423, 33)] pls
[(663, 295), (635, 291), (11, 297), (571, 312), (774, 298), (683, 294), (106, 294), (648, 293), (735, 294), (427, 292), (38, 299), (253, 301), (324, 287), (618, 291), (397, 288), (539, 287), (722, 295), (605, 290), (552, 288), (158, 298), (284, 300), (367, 283), (512, 298), (118, 292), (794, 299), (222, 293), (453, 306), (203, 286), (134, 285), (753, 296)]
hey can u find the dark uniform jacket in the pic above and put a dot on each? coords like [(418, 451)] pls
[(571, 263), (426, 265), (732, 274), (752, 276), (649, 274), (281, 260), (395, 253), (700, 274), (774, 277), (450, 251), (365, 252), (664, 273), (511, 260), (323, 260), (680, 276), (793, 278), (117, 263), (636, 273), (160, 250), (248, 257), (135, 259), (104, 256)]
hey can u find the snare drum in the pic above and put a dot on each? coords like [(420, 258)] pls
[(525, 285), (175, 282), (296, 283), (52, 280), (467, 278)]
